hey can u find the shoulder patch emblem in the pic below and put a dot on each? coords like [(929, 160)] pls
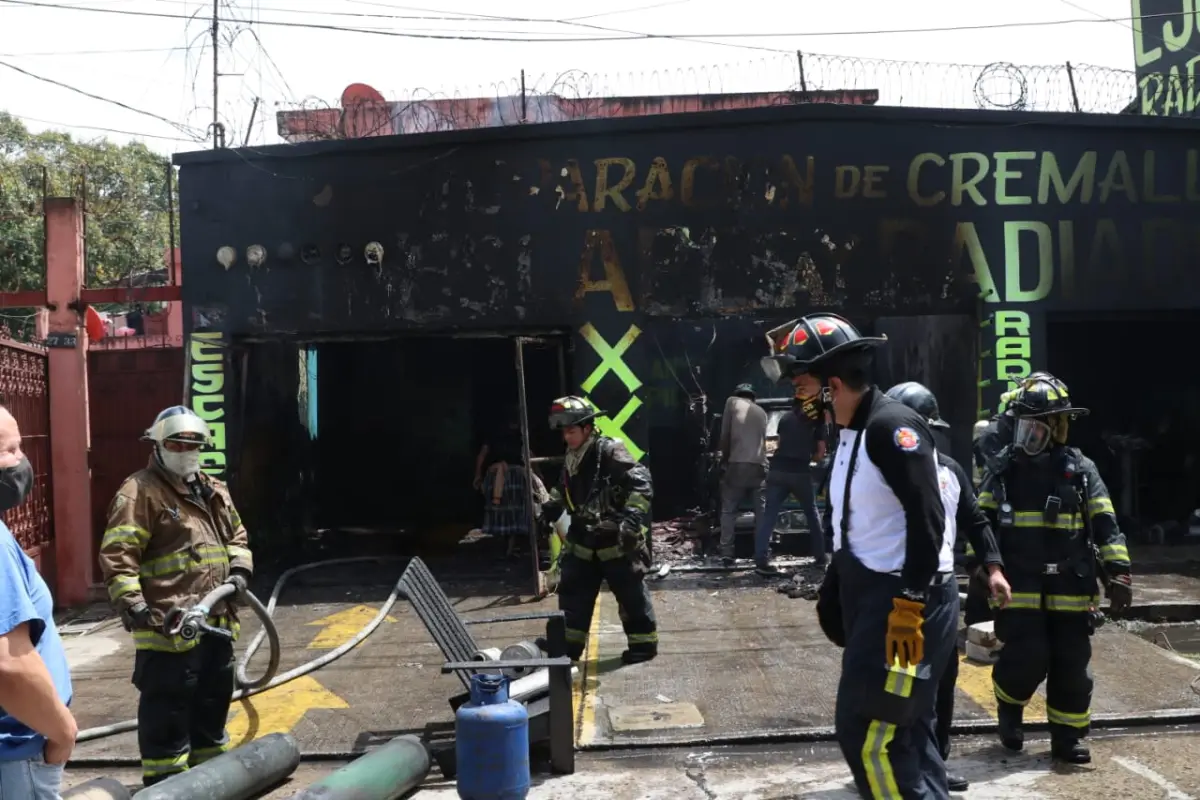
[(119, 502), (906, 439)]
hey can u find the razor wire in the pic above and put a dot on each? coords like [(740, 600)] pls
[(773, 80)]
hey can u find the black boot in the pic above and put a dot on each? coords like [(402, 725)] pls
[(1011, 718), (957, 783), (1072, 751), (637, 656)]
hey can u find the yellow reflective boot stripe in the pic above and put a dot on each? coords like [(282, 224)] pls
[(576, 636), (1100, 505), (125, 534), (642, 638), (1056, 717), (1069, 602), (202, 754), (1005, 697), (877, 763), (122, 585), (154, 767)]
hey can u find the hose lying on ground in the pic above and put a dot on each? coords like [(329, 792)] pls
[(269, 680)]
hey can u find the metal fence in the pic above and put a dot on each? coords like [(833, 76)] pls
[(24, 390)]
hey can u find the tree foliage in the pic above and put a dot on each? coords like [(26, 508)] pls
[(124, 188)]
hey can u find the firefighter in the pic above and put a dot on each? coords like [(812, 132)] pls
[(173, 535), (608, 494), (962, 513), (1052, 513), (896, 589)]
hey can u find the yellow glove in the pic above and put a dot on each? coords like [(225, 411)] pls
[(905, 641)]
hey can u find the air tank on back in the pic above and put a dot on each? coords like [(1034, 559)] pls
[(491, 736)]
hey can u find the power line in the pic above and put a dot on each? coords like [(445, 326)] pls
[(94, 52), (118, 103), (52, 123), (580, 39)]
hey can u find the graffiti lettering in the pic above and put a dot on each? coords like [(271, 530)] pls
[(614, 276), (1013, 349), (208, 396)]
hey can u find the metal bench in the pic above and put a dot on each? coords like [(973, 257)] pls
[(546, 694)]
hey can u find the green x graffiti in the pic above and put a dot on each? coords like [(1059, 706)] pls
[(610, 358), (614, 427)]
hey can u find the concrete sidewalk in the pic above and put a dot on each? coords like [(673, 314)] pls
[(1162, 765)]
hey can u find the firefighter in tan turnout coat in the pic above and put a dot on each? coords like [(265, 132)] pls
[(173, 535)]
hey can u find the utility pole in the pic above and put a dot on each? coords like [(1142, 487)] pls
[(218, 128)]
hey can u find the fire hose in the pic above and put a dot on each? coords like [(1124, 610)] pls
[(192, 622)]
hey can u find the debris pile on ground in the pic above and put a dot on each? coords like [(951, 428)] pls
[(675, 541), (804, 582)]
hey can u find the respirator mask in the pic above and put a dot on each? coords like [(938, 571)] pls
[(814, 406), (183, 464), (15, 484), (1031, 436)]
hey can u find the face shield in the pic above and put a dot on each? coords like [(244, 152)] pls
[(1031, 435), (771, 368)]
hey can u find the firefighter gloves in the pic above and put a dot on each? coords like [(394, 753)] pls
[(905, 641), (1120, 593), (136, 617)]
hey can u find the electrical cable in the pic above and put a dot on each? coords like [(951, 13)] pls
[(265, 614), (718, 35), (118, 103), (28, 118)]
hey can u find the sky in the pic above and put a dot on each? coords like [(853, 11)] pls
[(148, 64)]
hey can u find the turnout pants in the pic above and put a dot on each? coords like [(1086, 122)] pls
[(580, 585), (944, 705), (1054, 646), (885, 717), (183, 706)]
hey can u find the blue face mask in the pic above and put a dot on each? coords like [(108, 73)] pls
[(16, 482)]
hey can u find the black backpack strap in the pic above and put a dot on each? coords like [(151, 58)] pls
[(845, 523)]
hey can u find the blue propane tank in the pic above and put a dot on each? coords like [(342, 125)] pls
[(491, 736)]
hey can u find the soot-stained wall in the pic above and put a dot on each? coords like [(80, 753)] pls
[(620, 227)]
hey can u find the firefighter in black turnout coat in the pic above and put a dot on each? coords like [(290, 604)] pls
[(1053, 517), (608, 494), (892, 578)]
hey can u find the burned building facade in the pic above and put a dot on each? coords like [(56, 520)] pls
[(365, 290)]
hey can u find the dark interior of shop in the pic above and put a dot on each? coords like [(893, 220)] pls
[(401, 422), (1143, 432)]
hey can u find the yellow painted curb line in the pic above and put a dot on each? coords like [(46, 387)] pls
[(585, 688)]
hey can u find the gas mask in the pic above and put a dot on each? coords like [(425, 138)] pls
[(183, 465), (1031, 436), (15, 484)]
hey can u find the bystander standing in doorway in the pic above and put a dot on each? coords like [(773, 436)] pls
[(37, 730), (743, 448), (500, 475), (801, 440)]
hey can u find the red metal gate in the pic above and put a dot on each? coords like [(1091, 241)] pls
[(126, 389), (23, 389)]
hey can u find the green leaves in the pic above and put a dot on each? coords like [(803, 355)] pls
[(126, 203)]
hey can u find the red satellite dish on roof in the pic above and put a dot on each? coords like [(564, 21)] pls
[(357, 93), (94, 324)]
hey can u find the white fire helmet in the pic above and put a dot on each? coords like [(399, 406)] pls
[(178, 423)]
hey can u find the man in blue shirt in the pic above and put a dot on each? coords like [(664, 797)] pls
[(37, 730)]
